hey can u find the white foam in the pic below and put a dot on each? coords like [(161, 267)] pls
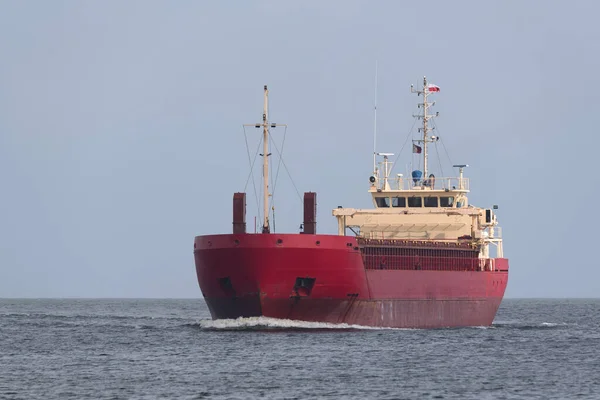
[(521, 324), (276, 323), (553, 324)]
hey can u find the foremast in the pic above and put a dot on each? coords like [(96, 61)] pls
[(265, 125), (425, 105), (266, 228)]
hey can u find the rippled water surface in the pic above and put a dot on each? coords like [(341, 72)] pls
[(147, 349)]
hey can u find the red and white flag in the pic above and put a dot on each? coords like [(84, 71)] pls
[(433, 88)]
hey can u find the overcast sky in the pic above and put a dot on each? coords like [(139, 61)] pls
[(121, 128)]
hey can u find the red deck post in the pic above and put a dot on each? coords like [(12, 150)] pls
[(310, 213), (239, 213)]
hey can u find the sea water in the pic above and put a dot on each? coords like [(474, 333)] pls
[(151, 349)]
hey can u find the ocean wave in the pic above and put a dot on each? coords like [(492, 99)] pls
[(528, 325)]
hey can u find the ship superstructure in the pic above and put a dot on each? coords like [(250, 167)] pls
[(429, 213)]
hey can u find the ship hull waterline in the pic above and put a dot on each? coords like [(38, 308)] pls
[(322, 278)]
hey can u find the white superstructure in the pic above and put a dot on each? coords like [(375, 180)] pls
[(422, 206)]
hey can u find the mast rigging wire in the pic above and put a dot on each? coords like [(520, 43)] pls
[(280, 158), (252, 169), (274, 180), (443, 145), (439, 159), (286, 169), (404, 145)]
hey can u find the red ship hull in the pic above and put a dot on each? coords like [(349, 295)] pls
[(323, 278)]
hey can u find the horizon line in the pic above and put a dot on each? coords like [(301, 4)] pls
[(201, 298)]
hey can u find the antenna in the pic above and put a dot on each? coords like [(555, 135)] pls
[(375, 126)]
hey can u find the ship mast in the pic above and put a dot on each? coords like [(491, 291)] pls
[(265, 155), (426, 117)]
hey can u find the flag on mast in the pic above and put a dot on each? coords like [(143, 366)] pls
[(416, 149), (433, 88)]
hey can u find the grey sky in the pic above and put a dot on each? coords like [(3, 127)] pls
[(121, 138)]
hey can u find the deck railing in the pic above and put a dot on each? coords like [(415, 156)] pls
[(497, 232), (425, 263), (412, 244), (437, 183)]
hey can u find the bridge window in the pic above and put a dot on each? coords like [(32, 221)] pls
[(398, 201), (414, 202), (431, 202), (382, 201), (446, 201)]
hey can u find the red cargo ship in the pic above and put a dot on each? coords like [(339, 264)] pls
[(422, 257)]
